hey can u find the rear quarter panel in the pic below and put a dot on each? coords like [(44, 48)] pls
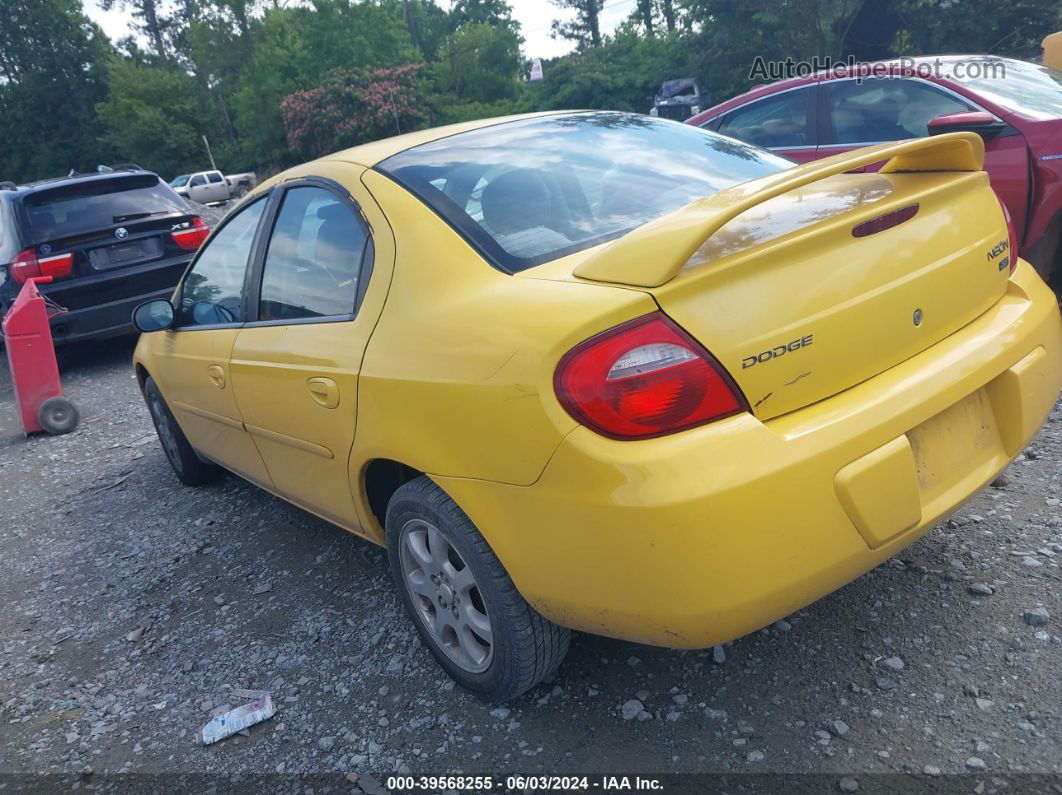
[(457, 378)]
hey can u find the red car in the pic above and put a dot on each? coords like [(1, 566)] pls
[(1015, 106)]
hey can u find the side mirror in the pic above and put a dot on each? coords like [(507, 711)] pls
[(978, 121), (154, 315)]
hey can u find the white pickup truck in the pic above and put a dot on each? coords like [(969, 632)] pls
[(208, 187)]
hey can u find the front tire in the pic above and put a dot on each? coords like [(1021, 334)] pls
[(463, 603), (189, 468)]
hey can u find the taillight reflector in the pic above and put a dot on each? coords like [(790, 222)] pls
[(886, 221), (642, 379), (193, 236), (27, 265)]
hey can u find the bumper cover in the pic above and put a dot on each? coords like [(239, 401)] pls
[(700, 537)]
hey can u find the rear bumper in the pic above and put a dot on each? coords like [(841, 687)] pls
[(700, 537), (100, 322), (101, 305)]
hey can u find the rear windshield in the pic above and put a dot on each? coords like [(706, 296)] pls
[(99, 204), (529, 191)]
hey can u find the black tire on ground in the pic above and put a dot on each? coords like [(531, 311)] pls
[(58, 415), (526, 647), (190, 469), (242, 191)]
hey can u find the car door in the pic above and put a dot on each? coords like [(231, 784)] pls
[(855, 113), (193, 373), (198, 189), (295, 363), (781, 122), (219, 189)]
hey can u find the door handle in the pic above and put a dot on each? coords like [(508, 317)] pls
[(324, 391), (216, 374)]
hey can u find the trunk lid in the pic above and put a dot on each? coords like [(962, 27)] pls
[(798, 301)]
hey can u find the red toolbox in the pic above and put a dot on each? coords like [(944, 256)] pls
[(31, 357)]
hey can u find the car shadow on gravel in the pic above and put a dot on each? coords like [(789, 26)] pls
[(135, 605)]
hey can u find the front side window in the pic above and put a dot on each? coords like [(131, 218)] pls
[(781, 120), (529, 191), (313, 262), (887, 109), (212, 292)]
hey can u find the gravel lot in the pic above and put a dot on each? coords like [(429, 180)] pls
[(134, 605)]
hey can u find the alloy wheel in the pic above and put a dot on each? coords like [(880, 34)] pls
[(447, 599)]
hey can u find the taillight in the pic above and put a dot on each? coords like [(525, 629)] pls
[(191, 237), (27, 264), (1012, 236), (644, 378)]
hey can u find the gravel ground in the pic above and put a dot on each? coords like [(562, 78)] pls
[(213, 213), (133, 606)]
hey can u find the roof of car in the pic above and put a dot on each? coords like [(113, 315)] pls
[(900, 66), (52, 182), (906, 65), (376, 151)]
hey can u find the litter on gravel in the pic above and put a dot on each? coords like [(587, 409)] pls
[(243, 717)]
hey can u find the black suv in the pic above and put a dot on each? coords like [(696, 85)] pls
[(109, 241)]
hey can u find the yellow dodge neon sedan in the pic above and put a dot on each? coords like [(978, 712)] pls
[(604, 372)]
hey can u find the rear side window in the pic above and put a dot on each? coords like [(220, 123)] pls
[(314, 258), (198, 180), (214, 177), (91, 206), (886, 109), (780, 120)]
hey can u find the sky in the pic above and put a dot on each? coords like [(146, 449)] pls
[(534, 16)]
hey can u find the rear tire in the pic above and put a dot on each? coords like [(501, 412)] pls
[(58, 415), (463, 603), (189, 468)]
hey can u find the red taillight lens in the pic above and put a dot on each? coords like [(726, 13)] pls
[(1012, 236), (644, 378), (27, 264), (192, 237)]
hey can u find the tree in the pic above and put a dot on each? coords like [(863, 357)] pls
[(644, 10), (974, 26), (477, 72), (497, 13), (150, 20), (294, 48), (352, 106), (52, 73), (585, 29), (154, 116)]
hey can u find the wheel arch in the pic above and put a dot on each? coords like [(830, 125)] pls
[(380, 478)]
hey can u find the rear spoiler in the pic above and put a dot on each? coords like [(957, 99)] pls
[(653, 254)]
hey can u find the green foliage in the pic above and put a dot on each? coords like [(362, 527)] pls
[(478, 63), (271, 82), (621, 75), (51, 76), (160, 104), (352, 107), (974, 26)]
